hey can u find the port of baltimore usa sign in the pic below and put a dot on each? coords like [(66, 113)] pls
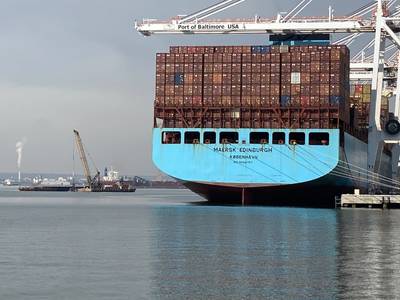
[(210, 27)]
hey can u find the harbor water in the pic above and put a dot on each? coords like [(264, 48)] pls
[(168, 244)]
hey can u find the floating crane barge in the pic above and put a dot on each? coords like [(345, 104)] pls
[(95, 183)]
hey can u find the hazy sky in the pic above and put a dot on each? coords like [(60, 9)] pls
[(68, 64)]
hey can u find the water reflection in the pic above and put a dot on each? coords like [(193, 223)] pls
[(236, 253), (369, 253), (154, 246)]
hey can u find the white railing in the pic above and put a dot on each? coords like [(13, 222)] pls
[(258, 20)]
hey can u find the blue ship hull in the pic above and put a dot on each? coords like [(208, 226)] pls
[(267, 174)]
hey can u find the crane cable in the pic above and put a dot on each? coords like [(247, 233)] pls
[(295, 160), (347, 174), (363, 171)]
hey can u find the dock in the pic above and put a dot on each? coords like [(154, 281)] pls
[(368, 201)]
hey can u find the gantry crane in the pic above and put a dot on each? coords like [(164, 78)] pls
[(93, 183), (374, 18)]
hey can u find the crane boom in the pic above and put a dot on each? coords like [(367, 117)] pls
[(263, 26), (83, 158)]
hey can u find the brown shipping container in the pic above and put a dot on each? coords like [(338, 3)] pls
[(246, 78), (236, 68), (217, 78), (197, 90), (169, 58), (236, 90), (179, 58), (264, 90), (208, 58), (226, 79), (208, 78), (236, 78), (235, 101), (198, 68), (227, 68), (226, 101), (265, 78), (275, 78), (236, 58), (197, 78)]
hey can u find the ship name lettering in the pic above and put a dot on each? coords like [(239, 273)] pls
[(219, 149), (265, 150)]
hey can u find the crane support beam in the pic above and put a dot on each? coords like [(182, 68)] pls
[(397, 101), (375, 141), (304, 26), (396, 148), (392, 35)]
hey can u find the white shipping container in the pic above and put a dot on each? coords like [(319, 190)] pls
[(284, 49), (235, 114), (295, 78)]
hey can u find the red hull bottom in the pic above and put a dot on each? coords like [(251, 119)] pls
[(319, 193)]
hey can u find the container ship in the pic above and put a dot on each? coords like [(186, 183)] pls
[(270, 125)]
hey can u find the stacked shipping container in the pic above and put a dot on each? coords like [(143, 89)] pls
[(360, 98), (253, 86)]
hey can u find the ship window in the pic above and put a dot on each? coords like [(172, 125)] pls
[(259, 138), (297, 138), (192, 137), (278, 138), (319, 138), (210, 137), (171, 137), (229, 137)]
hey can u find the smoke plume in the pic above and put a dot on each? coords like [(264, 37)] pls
[(19, 146)]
